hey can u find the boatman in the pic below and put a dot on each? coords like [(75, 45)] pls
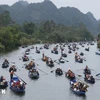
[(11, 74)]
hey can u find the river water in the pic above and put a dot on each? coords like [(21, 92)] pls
[(52, 87)]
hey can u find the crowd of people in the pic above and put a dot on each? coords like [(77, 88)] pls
[(78, 86), (17, 84)]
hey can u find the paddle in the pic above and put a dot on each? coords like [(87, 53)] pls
[(52, 71), (65, 60), (78, 75), (20, 78), (56, 62), (83, 69), (42, 71)]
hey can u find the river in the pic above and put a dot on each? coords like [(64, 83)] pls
[(52, 87)]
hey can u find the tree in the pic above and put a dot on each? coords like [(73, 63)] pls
[(29, 28)]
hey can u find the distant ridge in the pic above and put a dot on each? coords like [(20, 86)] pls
[(22, 11)]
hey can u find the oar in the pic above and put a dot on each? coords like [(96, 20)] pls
[(56, 62), (42, 71), (36, 64), (65, 60), (78, 75), (20, 78), (52, 71)]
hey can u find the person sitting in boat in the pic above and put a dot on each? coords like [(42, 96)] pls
[(76, 56), (92, 78), (2, 78), (44, 58), (11, 74), (47, 61), (18, 82), (31, 65), (51, 61), (43, 55), (61, 60), (89, 77), (55, 48), (80, 85), (68, 73), (87, 70), (5, 64), (84, 88), (13, 84), (6, 61), (25, 57), (72, 75)]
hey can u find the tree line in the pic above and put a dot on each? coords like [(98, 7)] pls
[(13, 35)]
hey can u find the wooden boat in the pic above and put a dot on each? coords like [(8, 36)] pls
[(69, 77), (27, 53), (64, 55), (59, 71), (49, 64), (87, 72), (5, 65), (27, 50), (79, 92), (15, 88), (87, 49), (61, 61), (79, 60), (33, 74), (81, 53), (3, 85), (69, 51), (38, 51), (55, 52), (25, 59), (92, 81), (46, 46)]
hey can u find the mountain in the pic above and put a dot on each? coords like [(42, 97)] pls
[(22, 11), (99, 20)]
